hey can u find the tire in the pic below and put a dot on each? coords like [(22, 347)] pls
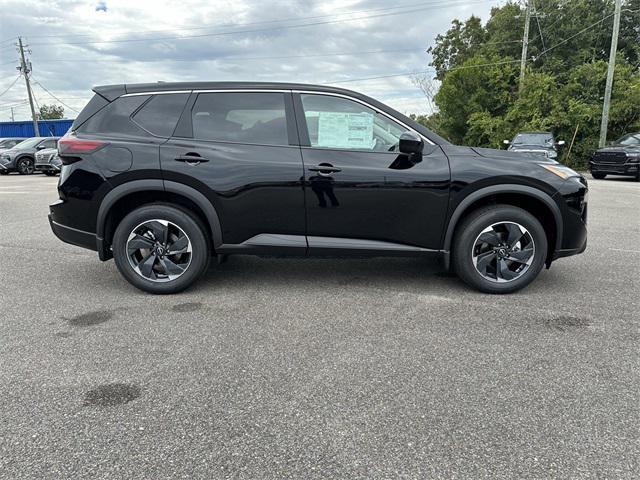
[(4, 172), (25, 166), (599, 176), (486, 256), (50, 173), (148, 264)]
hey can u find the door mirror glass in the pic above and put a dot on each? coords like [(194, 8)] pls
[(411, 143)]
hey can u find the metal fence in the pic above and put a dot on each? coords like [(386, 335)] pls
[(48, 128)]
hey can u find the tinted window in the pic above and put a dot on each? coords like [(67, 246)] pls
[(115, 118), (533, 139), (160, 114), (240, 117), (335, 122)]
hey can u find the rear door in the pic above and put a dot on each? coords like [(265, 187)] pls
[(241, 150)]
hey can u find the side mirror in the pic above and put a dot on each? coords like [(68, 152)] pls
[(40, 147), (560, 143), (506, 142), (411, 143)]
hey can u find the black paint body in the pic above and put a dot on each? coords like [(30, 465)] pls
[(265, 199)]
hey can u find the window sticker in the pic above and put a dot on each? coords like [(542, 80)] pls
[(345, 130)]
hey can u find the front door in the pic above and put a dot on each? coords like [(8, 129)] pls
[(360, 192), (240, 149)]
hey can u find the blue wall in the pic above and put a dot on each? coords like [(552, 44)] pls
[(48, 128)]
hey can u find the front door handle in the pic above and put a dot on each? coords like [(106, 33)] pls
[(325, 169), (191, 159)]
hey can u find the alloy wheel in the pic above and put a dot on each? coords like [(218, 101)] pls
[(503, 252), (26, 167), (159, 250)]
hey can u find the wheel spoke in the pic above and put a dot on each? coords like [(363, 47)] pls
[(139, 242), (179, 246), (514, 233), (146, 266), (160, 230), (171, 268), (490, 237), (521, 256), (483, 261), (503, 272)]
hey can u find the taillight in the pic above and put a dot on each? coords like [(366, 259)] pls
[(72, 145)]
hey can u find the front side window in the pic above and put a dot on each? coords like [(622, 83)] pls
[(48, 144), (335, 122), (239, 117)]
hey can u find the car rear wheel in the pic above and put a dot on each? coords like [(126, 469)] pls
[(499, 249), (25, 166), (161, 249), (598, 176)]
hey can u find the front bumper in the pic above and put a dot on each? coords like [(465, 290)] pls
[(46, 167), (629, 169)]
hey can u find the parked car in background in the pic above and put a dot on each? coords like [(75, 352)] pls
[(621, 157), (542, 143), (22, 157), (162, 176), (48, 161), (7, 143)]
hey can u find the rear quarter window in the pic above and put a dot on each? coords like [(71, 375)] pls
[(115, 118), (160, 114)]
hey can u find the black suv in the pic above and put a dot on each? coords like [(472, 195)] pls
[(163, 176), (621, 157), (542, 143)]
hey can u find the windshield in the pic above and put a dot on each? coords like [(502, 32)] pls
[(29, 143), (545, 139), (631, 139)]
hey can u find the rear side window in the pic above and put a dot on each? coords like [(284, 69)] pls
[(240, 117), (160, 114), (49, 143), (115, 118), (94, 105)]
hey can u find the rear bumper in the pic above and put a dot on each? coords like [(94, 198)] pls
[(73, 236), (630, 169)]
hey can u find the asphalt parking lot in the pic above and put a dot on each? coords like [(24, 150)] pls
[(317, 368)]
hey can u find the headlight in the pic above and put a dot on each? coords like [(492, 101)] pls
[(552, 154), (633, 157), (561, 171), (5, 158)]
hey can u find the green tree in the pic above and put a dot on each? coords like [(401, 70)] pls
[(51, 112), (479, 101)]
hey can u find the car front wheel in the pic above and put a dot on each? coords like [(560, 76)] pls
[(598, 176), (160, 248), (25, 166), (499, 249)]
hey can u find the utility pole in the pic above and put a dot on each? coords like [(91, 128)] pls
[(525, 42), (612, 65), (25, 69)]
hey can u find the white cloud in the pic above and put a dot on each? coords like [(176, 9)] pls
[(58, 31)]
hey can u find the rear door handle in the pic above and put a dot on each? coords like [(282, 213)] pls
[(325, 169), (191, 159)]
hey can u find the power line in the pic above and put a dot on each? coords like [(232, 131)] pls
[(262, 22), (404, 74), (11, 86), (281, 27), (538, 22), (52, 95), (576, 34)]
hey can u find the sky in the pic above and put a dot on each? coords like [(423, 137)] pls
[(76, 45)]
